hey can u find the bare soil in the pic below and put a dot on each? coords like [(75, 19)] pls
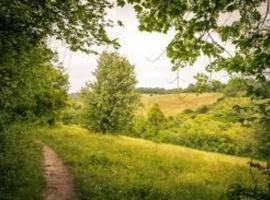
[(59, 182)]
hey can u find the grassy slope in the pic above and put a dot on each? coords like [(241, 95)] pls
[(172, 104), (118, 167)]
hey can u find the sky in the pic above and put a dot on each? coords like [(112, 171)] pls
[(138, 47)]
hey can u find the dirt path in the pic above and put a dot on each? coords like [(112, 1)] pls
[(59, 181)]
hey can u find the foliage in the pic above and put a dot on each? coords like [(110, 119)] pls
[(201, 82), (141, 169), (238, 191), (156, 121), (156, 90), (40, 87), (81, 24), (236, 87), (21, 167), (207, 86), (73, 112), (112, 99), (204, 84), (199, 27), (203, 109), (219, 128), (25, 29), (196, 22)]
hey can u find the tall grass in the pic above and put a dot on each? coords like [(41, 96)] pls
[(119, 167), (21, 169)]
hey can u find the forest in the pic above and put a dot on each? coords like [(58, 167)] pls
[(115, 139)]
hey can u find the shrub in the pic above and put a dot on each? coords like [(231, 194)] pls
[(156, 121), (187, 111), (21, 172), (203, 109)]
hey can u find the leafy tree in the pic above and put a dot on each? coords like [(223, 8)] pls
[(190, 88), (216, 86), (26, 25), (34, 90), (196, 22), (156, 121), (236, 86), (81, 24), (202, 82), (112, 98)]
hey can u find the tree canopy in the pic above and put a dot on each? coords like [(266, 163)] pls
[(196, 23), (81, 24), (112, 99)]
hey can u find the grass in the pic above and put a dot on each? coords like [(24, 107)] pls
[(172, 104), (21, 169), (119, 167)]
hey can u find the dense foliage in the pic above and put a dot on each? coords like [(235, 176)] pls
[(196, 22), (112, 99), (81, 24), (21, 162), (32, 88), (202, 27), (221, 127), (25, 28)]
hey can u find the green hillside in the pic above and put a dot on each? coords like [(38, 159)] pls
[(120, 167), (172, 104)]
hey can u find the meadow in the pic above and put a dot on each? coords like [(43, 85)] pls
[(106, 166), (120, 167), (172, 104), (111, 140)]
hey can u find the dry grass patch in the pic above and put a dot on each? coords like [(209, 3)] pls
[(172, 104)]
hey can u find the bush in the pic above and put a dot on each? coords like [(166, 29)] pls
[(188, 111), (21, 169), (156, 121), (138, 127), (203, 109), (216, 128)]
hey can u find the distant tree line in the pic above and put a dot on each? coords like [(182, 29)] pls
[(199, 87)]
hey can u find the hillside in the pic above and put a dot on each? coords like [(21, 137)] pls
[(172, 104), (120, 167)]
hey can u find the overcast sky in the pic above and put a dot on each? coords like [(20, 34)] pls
[(137, 47)]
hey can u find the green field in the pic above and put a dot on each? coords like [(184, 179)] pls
[(120, 167), (172, 104), (106, 166)]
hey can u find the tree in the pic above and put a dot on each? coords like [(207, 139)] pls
[(156, 121), (202, 82), (36, 90), (236, 86), (111, 100), (81, 23), (196, 22), (190, 88), (216, 86), (198, 31), (25, 27)]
